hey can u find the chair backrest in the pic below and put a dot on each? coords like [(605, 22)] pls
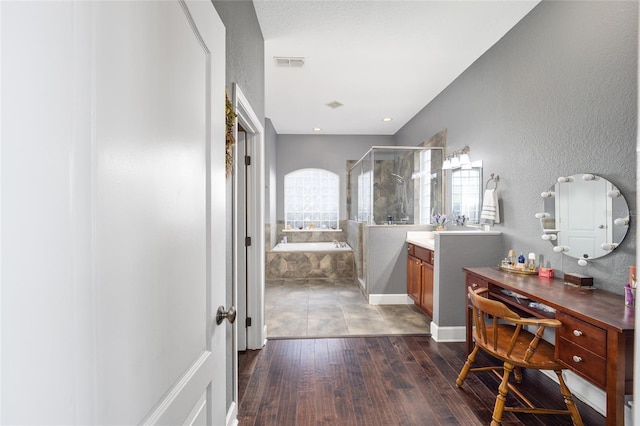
[(498, 328)]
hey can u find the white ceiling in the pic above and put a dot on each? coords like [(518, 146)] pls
[(378, 58)]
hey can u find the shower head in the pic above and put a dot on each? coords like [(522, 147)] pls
[(399, 179)]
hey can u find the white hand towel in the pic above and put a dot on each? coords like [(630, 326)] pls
[(490, 209)]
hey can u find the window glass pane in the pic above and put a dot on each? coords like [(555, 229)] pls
[(311, 197)]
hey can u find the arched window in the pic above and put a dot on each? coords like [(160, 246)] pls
[(311, 199)]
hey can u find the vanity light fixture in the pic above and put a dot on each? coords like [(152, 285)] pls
[(565, 179), (549, 237), (548, 194), (621, 221), (560, 249), (582, 262), (614, 193), (458, 158), (608, 246), (542, 215), (587, 177)]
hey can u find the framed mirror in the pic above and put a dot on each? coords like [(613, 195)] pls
[(584, 216)]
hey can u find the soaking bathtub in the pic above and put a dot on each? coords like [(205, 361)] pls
[(309, 260)]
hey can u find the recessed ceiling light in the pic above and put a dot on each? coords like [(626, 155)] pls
[(335, 104), (387, 119), (317, 129)]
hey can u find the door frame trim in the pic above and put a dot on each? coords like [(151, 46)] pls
[(246, 116)]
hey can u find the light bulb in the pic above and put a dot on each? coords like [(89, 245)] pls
[(582, 262), (464, 159), (560, 249), (589, 177), (548, 194), (542, 215), (565, 179), (621, 221), (614, 193), (549, 237), (608, 246)]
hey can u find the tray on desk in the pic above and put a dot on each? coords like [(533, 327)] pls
[(519, 271)]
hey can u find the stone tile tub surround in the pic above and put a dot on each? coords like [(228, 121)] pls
[(323, 262)]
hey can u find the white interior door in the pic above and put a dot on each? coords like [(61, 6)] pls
[(112, 194)]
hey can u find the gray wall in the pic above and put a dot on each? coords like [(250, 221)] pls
[(245, 51), (329, 152), (556, 96), (270, 168)]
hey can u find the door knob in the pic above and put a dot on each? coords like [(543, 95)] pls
[(229, 314)]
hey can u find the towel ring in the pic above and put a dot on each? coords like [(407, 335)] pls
[(494, 179)]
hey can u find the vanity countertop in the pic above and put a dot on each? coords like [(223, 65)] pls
[(426, 239)]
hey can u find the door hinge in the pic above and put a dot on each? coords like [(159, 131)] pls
[(247, 160), (247, 241), (248, 321)]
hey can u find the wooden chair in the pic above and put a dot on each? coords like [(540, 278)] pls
[(500, 332)]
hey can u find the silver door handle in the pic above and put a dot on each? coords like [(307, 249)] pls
[(229, 314)]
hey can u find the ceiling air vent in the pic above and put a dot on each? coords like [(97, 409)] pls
[(289, 61)]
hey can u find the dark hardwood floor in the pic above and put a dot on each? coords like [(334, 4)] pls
[(389, 380)]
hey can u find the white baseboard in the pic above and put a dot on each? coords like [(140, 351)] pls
[(448, 334), (591, 395), (390, 299), (595, 397)]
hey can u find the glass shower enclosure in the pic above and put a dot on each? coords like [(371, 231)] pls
[(396, 185)]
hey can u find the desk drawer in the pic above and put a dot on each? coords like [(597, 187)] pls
[(584, 362), (583, 334), (474, 282)]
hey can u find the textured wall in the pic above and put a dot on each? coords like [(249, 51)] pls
[(556, 96), (245, 51), (329, 152)]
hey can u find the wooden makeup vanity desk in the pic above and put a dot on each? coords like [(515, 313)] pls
[(596, 337)]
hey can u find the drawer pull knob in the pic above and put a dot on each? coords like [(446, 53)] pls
[(577, 333), (474, 285), (576, 358)]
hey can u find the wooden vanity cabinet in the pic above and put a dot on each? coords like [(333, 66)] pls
[(420, 277)]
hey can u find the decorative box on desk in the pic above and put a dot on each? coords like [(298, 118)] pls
[(596, 337)]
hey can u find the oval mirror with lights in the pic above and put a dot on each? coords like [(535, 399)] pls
[(584, 216)]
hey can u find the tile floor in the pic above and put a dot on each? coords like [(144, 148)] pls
[(329, 308)]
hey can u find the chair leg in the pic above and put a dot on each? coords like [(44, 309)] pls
[(467, 366), (571, 406), (501, 399), (517, 374)]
